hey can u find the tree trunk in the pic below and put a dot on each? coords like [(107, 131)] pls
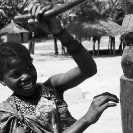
[(31, 47), (55, 46), (63, 50), (112, 45)]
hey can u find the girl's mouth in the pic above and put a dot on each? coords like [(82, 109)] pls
[(27, 86)]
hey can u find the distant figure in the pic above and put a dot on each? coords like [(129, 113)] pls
[(96, 38)]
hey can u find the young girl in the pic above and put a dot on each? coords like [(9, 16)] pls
[(40, 107)]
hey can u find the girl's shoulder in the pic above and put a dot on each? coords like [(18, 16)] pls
[(48, 84), (46, 90)]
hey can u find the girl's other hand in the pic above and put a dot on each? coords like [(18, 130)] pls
[(98, 105)]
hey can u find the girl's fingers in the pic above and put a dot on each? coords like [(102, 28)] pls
[(33, 12), (109, 94), (107, 105), (31, 21), (36, 10), (106, 94), (37, 15), (107, 99), (44, 9), (30, 7), (98, 98)]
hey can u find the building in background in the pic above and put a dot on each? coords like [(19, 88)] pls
[(14, 32)]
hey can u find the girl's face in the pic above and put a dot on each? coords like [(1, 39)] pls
[(21, 76)]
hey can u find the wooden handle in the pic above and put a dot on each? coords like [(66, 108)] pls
[(56, 10)]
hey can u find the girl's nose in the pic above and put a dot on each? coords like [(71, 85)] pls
[(25, 77)]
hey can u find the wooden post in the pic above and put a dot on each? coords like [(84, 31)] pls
[(126, 90), (55, 11), (126, 80)]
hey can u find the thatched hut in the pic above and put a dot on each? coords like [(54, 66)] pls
[(14, 32)]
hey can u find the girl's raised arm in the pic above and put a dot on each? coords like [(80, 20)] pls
[(86, 65)]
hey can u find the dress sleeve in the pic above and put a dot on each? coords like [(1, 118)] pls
[(48, 84)]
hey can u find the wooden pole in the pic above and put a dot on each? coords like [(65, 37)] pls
[(126, 90), (55, 11), (126, 80)]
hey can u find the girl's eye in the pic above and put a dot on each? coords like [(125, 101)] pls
[(15, 75)]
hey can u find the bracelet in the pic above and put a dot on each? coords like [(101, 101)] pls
[(70, 41), (60, 33), (76, 43), (76, 50)]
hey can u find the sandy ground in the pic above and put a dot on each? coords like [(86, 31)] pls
[(79, 98)]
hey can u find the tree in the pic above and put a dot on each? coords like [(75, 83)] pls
[(55, 46), (10, 8)]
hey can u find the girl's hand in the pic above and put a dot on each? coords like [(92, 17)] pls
[(51, 25), (98, 105)]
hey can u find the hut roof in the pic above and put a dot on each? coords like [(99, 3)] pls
[(12, 28)]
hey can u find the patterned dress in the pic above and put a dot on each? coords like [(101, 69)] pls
[(50, 115)]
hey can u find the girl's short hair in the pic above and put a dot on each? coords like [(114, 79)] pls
[(10, 50)]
